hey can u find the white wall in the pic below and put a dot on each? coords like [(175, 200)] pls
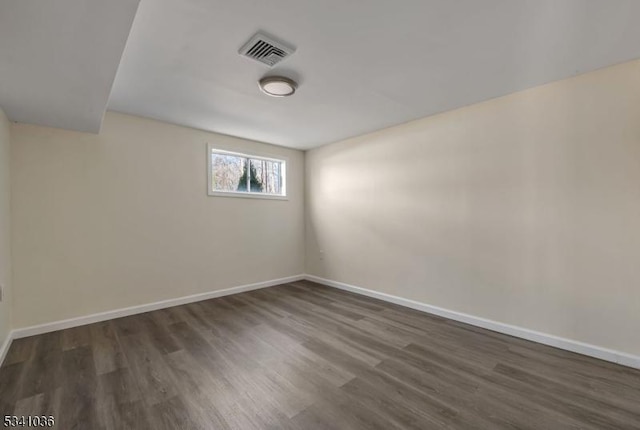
[(523, 209), (123, 218), (5, 232)]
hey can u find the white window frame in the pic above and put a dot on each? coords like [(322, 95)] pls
[(211, 149)]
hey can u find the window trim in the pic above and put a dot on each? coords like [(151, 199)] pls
[(211, 149)]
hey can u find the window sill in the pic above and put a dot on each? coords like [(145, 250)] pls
[(247, 195)]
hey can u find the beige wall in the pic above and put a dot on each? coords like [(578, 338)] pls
[(5, 233), (523, 209), (123, 218)]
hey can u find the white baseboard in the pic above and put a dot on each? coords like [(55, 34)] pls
[(535, 336), (5, 347), (123, 312), (543, 338)]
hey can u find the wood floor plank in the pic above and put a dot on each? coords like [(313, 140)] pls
[(107, 351), (10, 376), (75, 337), (21, 350), (154, 378), (306, 356), (42, 371)]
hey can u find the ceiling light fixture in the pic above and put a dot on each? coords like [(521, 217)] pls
[(277, 86)]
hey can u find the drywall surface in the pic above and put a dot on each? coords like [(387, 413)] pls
[(524, 209), (122, 218), (5, 231)]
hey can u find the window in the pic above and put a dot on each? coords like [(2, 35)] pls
[(243, 175)]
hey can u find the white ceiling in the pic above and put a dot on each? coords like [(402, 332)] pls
[(58, 59), (362, 65)]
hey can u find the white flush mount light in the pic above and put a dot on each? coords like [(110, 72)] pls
[(277, 86)]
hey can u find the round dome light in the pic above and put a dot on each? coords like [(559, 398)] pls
[(277, 86)]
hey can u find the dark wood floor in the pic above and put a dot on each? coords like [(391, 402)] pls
[(304, 356)]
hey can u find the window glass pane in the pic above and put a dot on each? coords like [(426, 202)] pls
[(240, 173), (226, 171), (268, 178), (250, 179)]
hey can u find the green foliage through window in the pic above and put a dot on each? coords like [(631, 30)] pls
[(255, 182)]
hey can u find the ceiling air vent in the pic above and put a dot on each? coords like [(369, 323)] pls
[(266, 50)]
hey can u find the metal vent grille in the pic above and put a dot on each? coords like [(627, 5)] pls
[(266, 50)]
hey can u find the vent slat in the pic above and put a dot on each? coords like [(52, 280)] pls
[(279, 51), (255, 48), (265, 50)]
